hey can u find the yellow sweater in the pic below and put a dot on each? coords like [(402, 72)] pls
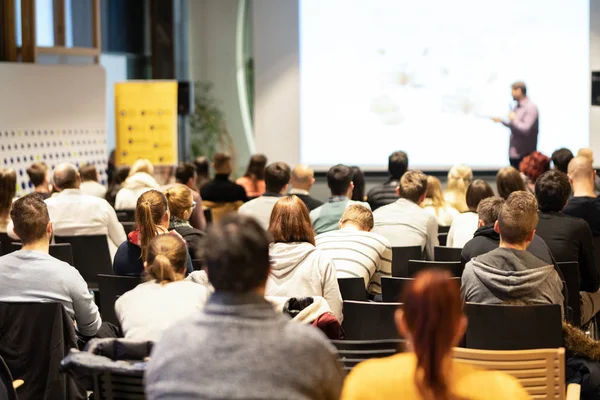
[(393, 378)]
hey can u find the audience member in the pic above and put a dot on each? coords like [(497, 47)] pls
[(356, 251), (587, 153), (221, 189), (298, 268), (584, 203), (532, 167), (165, 299), (509, 180), (185, 174), (435, 204), (276, 178), (152, 218), (569, 238), (404, 223), (561, 159), (326, 217), (119, 176), (38, 175), (253, 180), (32, 275), (246, 345), (510, 273), (358, 180), (432, 320), (181, 206), (89, 181), (465, 224), (385, 193), (301, 180), (202, 170), (140, 180), (8, 190), (459, 179)]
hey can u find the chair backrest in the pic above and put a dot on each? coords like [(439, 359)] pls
[(443, 238), (5, 244), (364, 320), (208, 215), (352, 289), (454, 267), (114, 386), (90, 256), (442, 253), (128, 226), (126, 215), (112, 287), (400, 257), (392, 287), (60, 251), (507, 327), (352, 352), (540, 372), (570, 271), (443, 229)]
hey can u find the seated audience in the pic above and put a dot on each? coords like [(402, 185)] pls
[(569, 238), (8, 190), (356, 251), (38, 175), (181, 206), (220, 194), (432, 320), (89, 181), (561, 159), (404, 223), (277, 178), (435, 204), (465, 224), (587, 153), (247, 349), (32, 275), (185, 174), (152, 218), (140, 180), (509, 180), (165, 299), (301, 180), (202, 170), (584, 203), (358, 180), (510, 273), (119, 176), (253, 180), (533, 166), (326, 217), (385, 193), (298, 268), (459, 179)]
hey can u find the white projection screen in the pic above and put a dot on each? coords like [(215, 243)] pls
[(425, 77)]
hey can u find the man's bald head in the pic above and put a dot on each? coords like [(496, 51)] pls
[(581, 168), (66, 176), (302, 177), (587, 153)]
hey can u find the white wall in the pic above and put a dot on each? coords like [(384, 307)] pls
[(594, 66)]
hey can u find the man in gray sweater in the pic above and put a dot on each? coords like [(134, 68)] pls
[(510, 273), (239, 347)]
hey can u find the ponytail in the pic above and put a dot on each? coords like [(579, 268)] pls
[(150, 209), (161, 269), (167, 255)]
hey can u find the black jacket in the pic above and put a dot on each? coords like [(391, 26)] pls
[(587, 208), (382, 195), (193, 237), (310, 202), (222, 190)]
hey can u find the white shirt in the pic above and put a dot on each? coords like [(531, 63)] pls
[(357, 253), (462, 229), (73, 213), (260, 208), (150, 308), (93, 188)]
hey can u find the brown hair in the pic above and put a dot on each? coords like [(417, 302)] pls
[(488, 209), (220, 159), (149, 211), (534, 165), (8, 190), (290, 222), (37, 173), (434, 192), (509, 180), (30, 218), (432, 312), (180, 200), (167, 255), (477, 191), (518, 217), (88, 172), (413, 185), (360, 215)]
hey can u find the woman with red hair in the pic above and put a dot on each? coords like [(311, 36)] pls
[(433, 322), (532, 167)]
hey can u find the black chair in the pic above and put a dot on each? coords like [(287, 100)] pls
[(112, 287), (443, 229), (442, 253), (128, 226), (454, 267), (369, 320), (570, 271), (507, 327), (126, 215), (61, 251), (352, 289), (6, 382), (208, 215), (392, 287), (352, 352), (400, 257), (5, 244), (90, 255), (443, 238)]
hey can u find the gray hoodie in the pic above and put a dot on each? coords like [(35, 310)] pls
[(510, 275)]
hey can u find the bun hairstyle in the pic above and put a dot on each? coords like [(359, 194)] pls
[(167, 255), (149, 211), (180, 200)]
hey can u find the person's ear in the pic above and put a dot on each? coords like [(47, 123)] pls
[(398, 191), (145, 265), (497, 227), (285, 188), (480, 223), (312, 182), (401, 324), (422, 198), (461, 329), (49, 229), (530, 236)]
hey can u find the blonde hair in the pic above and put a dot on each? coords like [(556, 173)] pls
[(360, 215), (434, 192), (149, 211), (167, 255), (180, 200), (142, 165), (459, 179)]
